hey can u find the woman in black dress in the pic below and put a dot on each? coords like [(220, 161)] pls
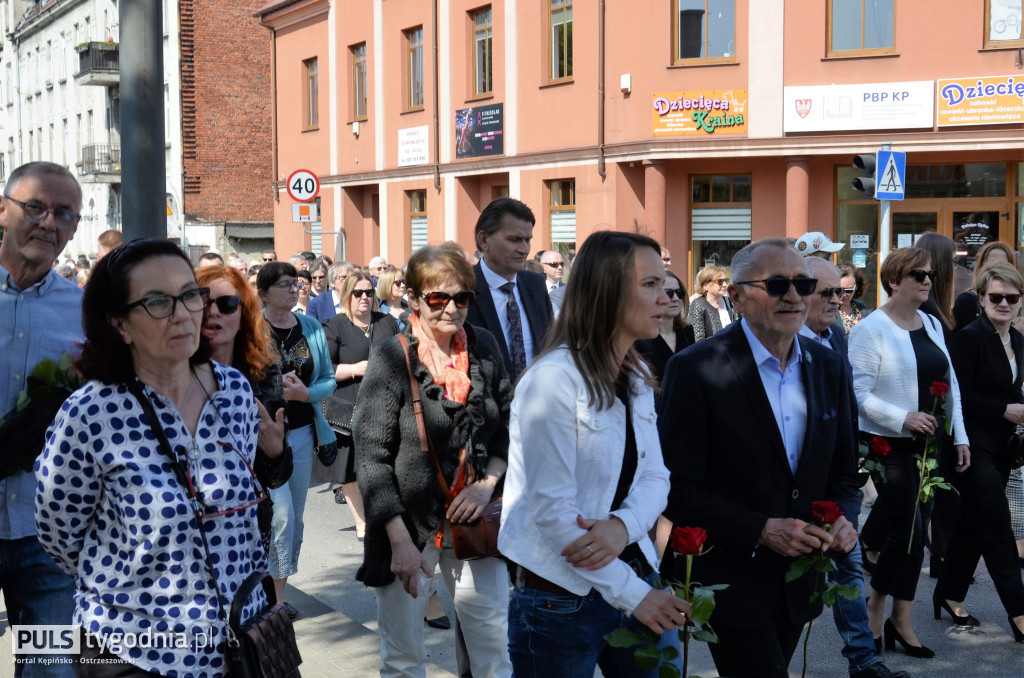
[(676, 332), (350, 334)]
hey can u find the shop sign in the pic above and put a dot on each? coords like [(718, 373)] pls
[(992, 100), (700, 113), (878, 105), (413, 146), (478, 131)]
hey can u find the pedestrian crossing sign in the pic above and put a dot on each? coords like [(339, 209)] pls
[(890, 175)]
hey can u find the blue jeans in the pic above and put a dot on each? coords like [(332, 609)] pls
[(559, 634), (852, 615), (36, 592), (289, 507)]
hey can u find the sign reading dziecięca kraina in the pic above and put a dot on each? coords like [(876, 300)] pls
[(987, 100), (702, 113)]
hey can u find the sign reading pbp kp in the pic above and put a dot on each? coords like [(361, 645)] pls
[(303, 186)]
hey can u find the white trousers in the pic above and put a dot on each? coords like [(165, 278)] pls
[(480, 589)]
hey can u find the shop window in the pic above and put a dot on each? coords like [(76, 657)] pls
[(358, 53), (1020, 207), (311, 116), (1003, 23), (974, 180), (414, 68), (482, 42), (719, 218), (703, 30), (417, 219), (563, 217), (858, 27), (857, 224), (560, 23)]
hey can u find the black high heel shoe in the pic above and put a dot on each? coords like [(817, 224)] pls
[(878, 645), (1018, 635), (940, 604), (892, 636)]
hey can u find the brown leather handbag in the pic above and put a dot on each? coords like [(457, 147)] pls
[(478, 539)]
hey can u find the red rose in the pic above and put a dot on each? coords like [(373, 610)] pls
[(687, 540), (939, 388), (825, 512), (879, 446)]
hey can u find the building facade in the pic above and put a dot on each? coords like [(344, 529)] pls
[(705, 123)]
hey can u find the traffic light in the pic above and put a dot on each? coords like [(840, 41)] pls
[(866, 183)]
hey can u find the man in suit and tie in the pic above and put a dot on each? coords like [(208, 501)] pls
[(554, 267), (510, 302), (851, 616), (756, 425)]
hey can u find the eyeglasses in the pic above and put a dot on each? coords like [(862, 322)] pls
[(779, 287), (227, 304), (722, 281), (555, 264), (269, 258), (288, 285), (36, 214), (919, 275), (672, 293), (160, 306), (400, 282), (997, 299), (341, 277), (848, 291), (359, 294), (829, 292), (667, 260), (439, 300), (211, 512)]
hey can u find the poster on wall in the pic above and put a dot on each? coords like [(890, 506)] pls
[(877, 105), (995, 100), (700, 113), (478, 131), (413, 146)]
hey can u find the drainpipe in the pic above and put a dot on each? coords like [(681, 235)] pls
[(273, 108), (437, 131), (600, 90)]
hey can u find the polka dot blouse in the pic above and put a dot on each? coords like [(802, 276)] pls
[(112, 514)]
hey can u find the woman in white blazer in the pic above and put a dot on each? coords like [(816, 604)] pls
[(586, 481), (897, 354)]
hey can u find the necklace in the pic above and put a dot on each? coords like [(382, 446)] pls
[(1006, 342), (281, 343), (191, 380), (365, 330)]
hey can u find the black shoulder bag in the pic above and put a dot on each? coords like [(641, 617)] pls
[(264, 646)]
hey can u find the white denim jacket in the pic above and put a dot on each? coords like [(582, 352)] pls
[(564, 460)]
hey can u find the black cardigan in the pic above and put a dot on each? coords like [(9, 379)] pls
[(395, 476)]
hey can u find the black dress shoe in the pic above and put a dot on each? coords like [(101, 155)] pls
[(892, 636), (879, 670), (940, 604), (442, 623)]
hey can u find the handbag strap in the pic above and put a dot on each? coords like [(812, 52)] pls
[(426, 445), (242, 594)]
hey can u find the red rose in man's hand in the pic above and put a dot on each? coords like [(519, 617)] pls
[(687, 540), (825, 513)]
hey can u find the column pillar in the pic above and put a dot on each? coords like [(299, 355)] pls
[(655, 180), (797, 195)]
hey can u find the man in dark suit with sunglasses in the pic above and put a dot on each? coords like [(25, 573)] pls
[(755, 425), (511, 303)]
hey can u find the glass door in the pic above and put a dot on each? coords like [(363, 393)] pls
[(907, 227)]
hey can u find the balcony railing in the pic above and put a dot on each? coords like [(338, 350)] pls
[(98, 64), (102, 162)]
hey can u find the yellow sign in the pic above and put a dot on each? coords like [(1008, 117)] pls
[(992, 100), (701, 113)]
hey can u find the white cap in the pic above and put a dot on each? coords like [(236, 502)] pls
[(816, 241)]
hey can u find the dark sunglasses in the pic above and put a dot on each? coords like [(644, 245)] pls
[(439, 300), (919, 275), (997, 299), (227, 304), (359, 294), (673, 294), (778, 287), (830, 292)]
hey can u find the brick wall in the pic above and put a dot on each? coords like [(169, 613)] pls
[(226, 116)]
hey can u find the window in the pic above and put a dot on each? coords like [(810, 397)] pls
[(1003, 23), (62, 55), (563, 216), (719, 218), (311, 115), (414, 64), (65, 156), (53, 143), (417, 219), (359, 81), (482, 63), (48, 68), (88, 128), (31, 145), (866, 26), (10, 83), (704, 29), (168, 123), (561, 39)]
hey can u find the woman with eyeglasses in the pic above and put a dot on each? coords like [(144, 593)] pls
[(465, 395), (711, 310), (676, 332), (851, 309), (301, 349), (119, 511), (305, 285), (989, 356), (391, 292), (898, 353), (350, 336), (318, 278)]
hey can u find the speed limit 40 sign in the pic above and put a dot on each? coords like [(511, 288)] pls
[(303, 186)]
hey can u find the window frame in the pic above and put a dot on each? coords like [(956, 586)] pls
[(562, 7), (360, 105), (412, 66), (488, 39), (412, 213), (862, 52), (555, 206), (700, 61), (311, 95), (988, 43)]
